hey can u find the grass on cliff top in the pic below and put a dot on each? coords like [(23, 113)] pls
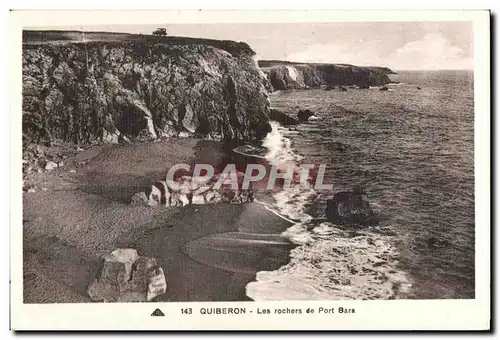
[(66, 37)]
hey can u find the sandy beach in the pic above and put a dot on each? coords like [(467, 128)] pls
[(207, 252)]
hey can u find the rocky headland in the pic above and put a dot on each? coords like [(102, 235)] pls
[(284, 75), (140, 88)]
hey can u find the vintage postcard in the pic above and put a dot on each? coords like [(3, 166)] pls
[(250, 170)]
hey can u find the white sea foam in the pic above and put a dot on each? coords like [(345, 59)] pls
[(329, 262), (280, 148)]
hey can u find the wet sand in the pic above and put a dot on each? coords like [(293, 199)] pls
[(209, 253), (212, 253)]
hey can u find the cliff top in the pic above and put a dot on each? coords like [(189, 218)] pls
[(273, 63), (80, 37)]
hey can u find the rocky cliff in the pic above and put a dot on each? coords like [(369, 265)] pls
[(289, 75), (140, 87)]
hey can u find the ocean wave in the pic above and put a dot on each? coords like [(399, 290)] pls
[(280, 148), (333, 264), (329, 263)]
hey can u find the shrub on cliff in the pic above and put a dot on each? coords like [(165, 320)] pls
[(160, 32)]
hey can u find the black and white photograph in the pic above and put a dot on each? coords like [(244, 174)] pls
[(250, 162)]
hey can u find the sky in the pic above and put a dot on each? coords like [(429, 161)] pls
[(397, 45)]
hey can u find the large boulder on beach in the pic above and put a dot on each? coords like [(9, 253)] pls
[(350, 208), (127, 277)]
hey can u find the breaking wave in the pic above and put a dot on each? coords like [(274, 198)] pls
[(330, 262)]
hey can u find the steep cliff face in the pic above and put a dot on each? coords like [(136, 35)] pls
[(287, 75), (141, 89)]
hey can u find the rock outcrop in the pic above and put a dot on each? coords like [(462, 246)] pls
[(285, 120), (194, 190), (128, 277), (304, 115), (284, 75), (350, 208), (282, 118), (140, 88)]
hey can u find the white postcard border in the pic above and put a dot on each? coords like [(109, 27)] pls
[(370, 315)]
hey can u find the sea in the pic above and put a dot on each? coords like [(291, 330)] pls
[(412, 150)]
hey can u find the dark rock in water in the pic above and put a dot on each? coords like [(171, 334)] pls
[(339, 146), (350, 208), (342, 88), (261, 130), (384, 88), (419, 88), (304, 115), (282, 118), (434, 242)]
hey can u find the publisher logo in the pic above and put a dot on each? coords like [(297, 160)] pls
[(157, 312)]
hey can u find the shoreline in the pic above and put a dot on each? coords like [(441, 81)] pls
[(208, 253)]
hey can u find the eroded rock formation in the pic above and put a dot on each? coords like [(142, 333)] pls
[(127, 277), (282, 118), (142, 89), (284, 75), (350, 208), (195, 190)]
